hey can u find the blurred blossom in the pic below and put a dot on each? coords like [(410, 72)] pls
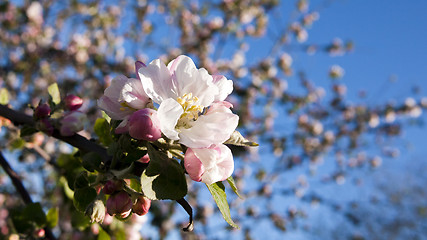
[(72, 123), (390, 116), (35, 12), (415, 112), (374, 120), (336, 72), (302, 5), (410, 102)]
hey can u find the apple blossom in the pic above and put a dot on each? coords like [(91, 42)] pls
[(144, 125), (72, 102), (209, 165), (119, 204), (141, 206), (42, 111), (72, 122), (184, 94)]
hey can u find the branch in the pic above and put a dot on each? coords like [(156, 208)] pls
[(76, 140), (21, 189)]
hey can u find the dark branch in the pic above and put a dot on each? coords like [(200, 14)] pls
[(76, 140), (21, 189)]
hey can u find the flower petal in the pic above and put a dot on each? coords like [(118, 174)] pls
[(133, 94), (157, 82), (113, 108), (214, 127), (225, 87), (168, 115)]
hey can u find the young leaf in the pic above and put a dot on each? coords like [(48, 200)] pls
[(54, 93), (103, 235), (83, 197), (4, 96), (92, 161), (164, 178), (102, 129), (233, 186), (218, 193), (238, 140), (52, 217)]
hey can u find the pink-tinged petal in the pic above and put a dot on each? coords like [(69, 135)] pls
[(138, 65), (133, 94), (219, 107), (216, 163), (212, 128), (193, 166), (72, 122), (113, 108), (114, 90), (168, 115), (144, 125), (157, 81), (225, 87), (123, 127)]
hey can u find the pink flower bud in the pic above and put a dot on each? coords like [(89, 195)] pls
[(145, 159), (112, 186), (44, 125), (72, 102), (119, 204), (42, 111), (142, 206), (72, 122), (209, 165), (144, 125), (40, 233)]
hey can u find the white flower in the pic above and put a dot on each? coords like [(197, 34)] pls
[(186, 95)]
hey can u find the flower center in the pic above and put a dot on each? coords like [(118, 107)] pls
[(126, 107), (191, 110)]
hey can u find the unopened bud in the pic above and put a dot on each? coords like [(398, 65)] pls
[(144, 125), (40, 233), (145, 159), (119, 204), (72, 122), (72, 102), (112, 186), (96, 211), (44, 125), (42, 111), (142, 206)]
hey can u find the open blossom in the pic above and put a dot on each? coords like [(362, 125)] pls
[(122, 98), (185, 96), (209, 165)]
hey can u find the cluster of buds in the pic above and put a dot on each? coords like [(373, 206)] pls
[(72, 120), (121, 204)]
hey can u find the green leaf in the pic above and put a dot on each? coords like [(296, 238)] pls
[(238, 140), (103, 235), (135, 185), (27, 131), (81, 180), (218, 193), (92, 161), (102, 129), (164, 178), (4, 96), (83, 197), (17, 143), (52, 217), (233, 186), (34, 213), (133, 156), (79, 220), (54, 93)]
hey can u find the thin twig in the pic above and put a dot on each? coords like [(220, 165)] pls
[(21, 190)]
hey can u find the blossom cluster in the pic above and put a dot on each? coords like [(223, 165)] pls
[(181, 103)]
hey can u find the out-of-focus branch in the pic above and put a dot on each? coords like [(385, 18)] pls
[(76, 140), (21, 189)]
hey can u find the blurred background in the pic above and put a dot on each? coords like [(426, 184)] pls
[(332, 90)]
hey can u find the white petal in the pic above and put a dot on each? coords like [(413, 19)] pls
[(116, 86), (168, 115), (225, 87), (113, 108), (133, 94), (213, 128), (157, 81)]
